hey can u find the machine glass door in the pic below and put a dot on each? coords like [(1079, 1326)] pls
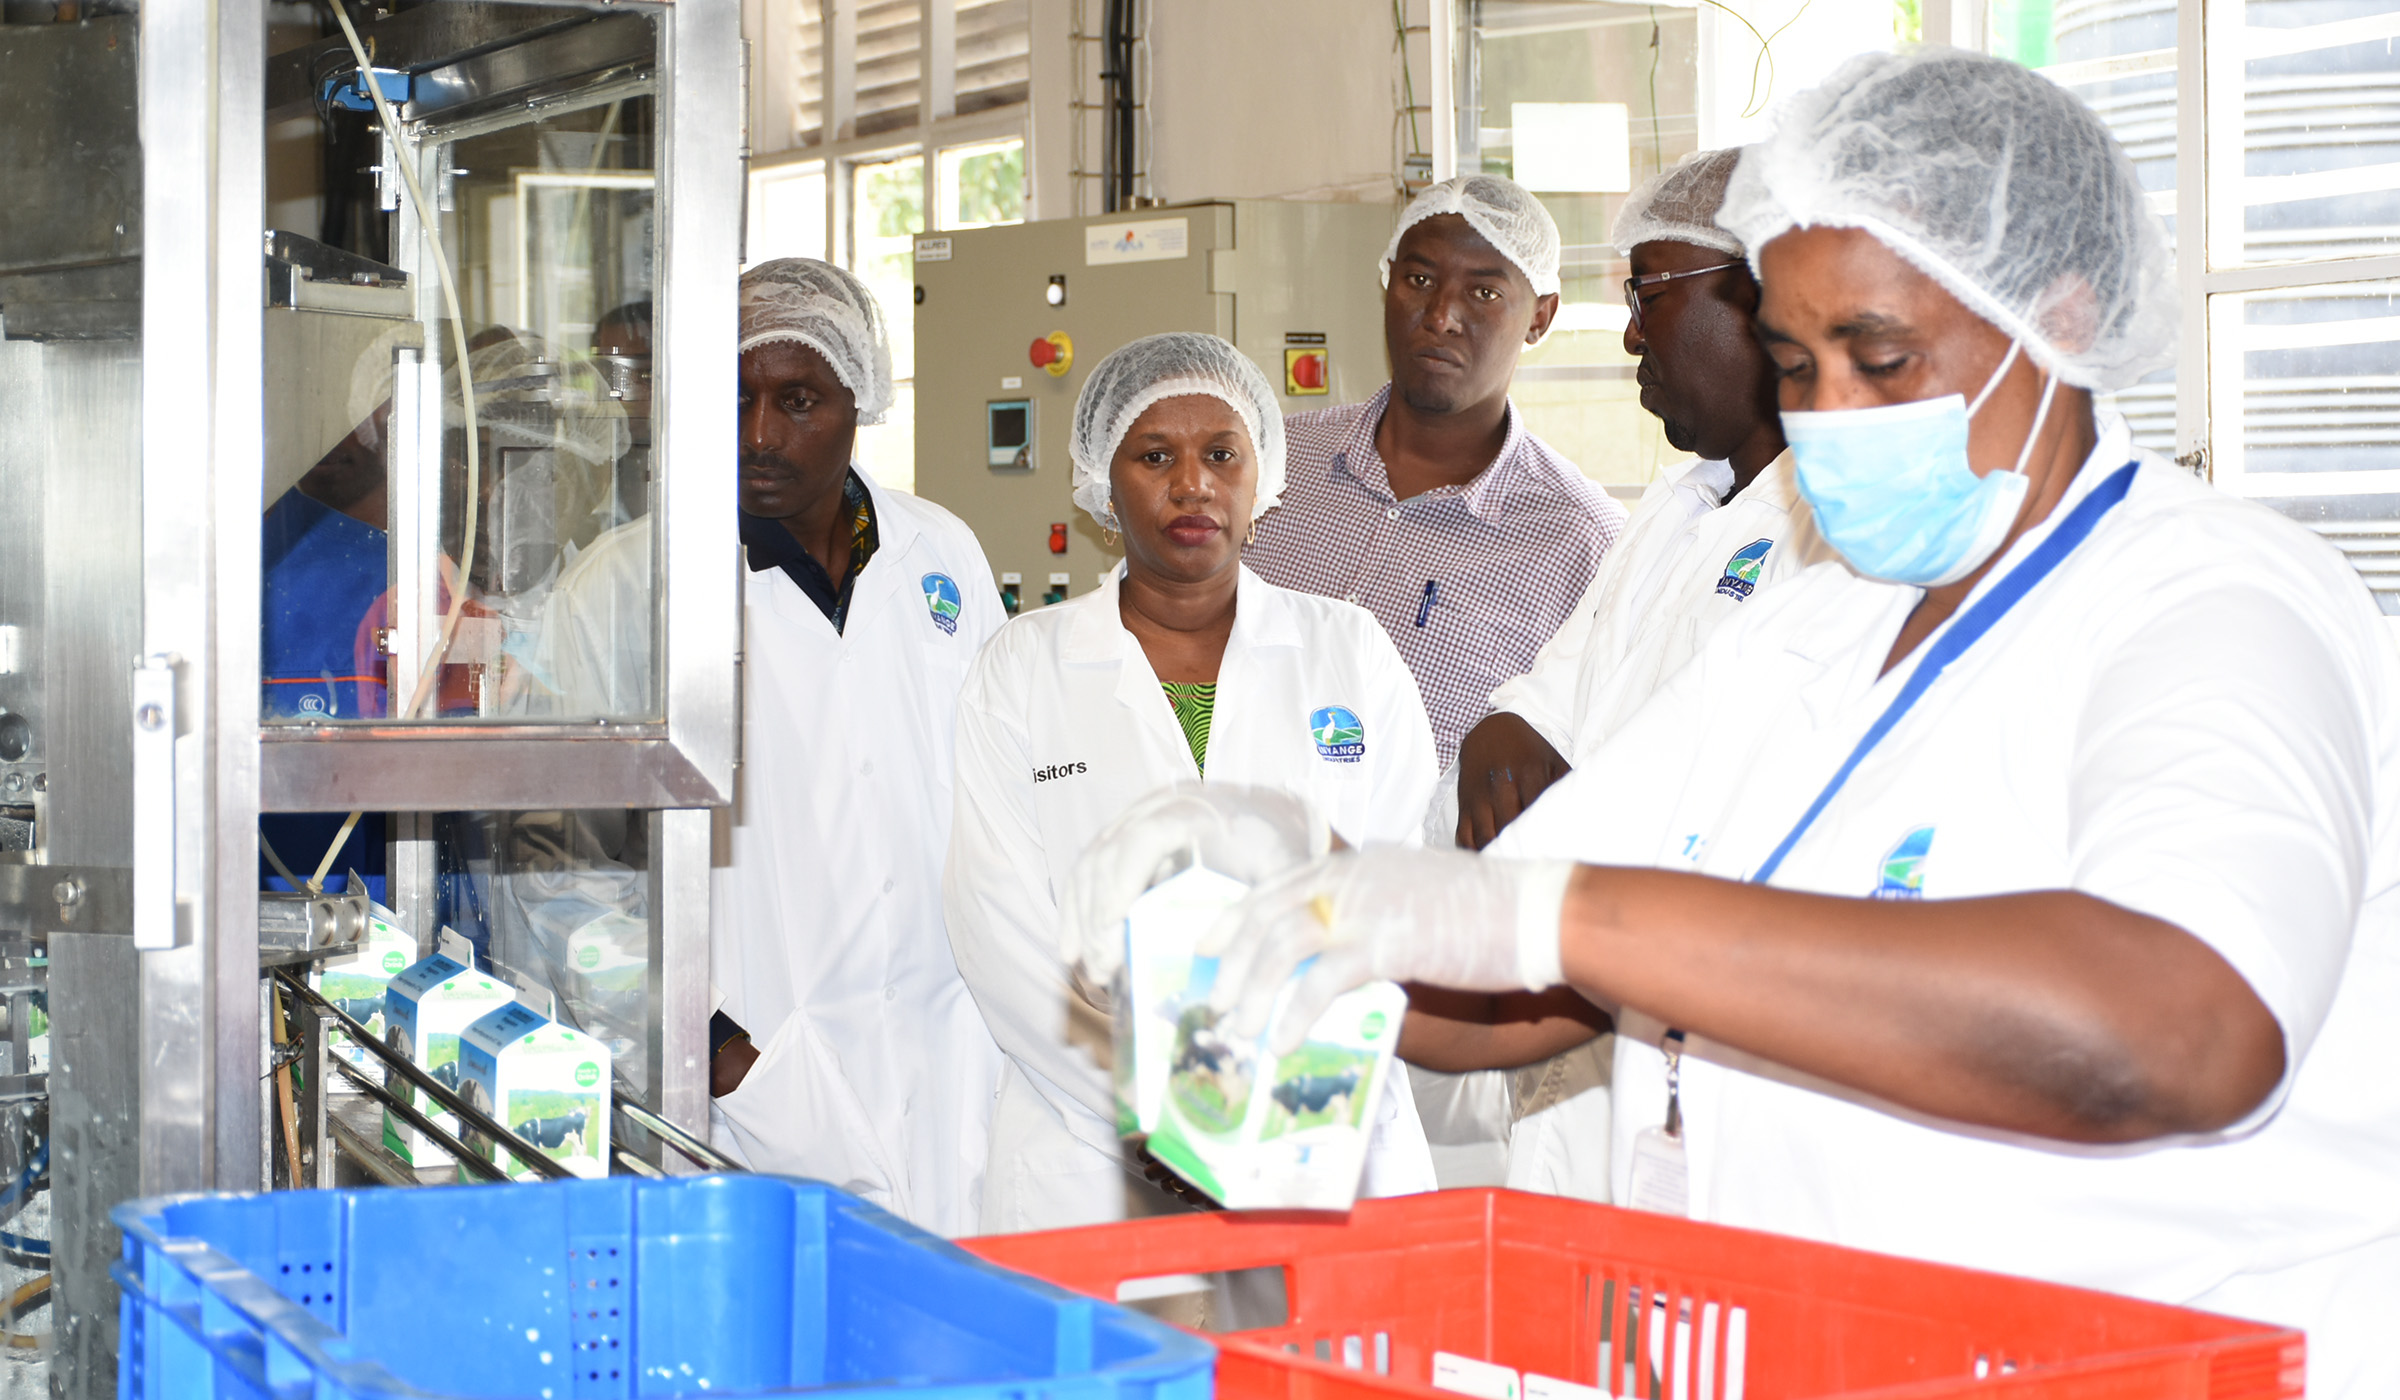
[(552, 225), (466, 594), (489, 557)]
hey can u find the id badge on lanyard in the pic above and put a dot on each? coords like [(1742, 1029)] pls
[(1660, 1171), (1661, 1180)]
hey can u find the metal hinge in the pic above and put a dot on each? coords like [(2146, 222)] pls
[(2194, 461)]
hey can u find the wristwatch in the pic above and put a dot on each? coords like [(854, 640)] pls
[(723, 1030)]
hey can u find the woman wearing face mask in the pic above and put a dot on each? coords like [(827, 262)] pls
[(1183, 668), (2025, 895)]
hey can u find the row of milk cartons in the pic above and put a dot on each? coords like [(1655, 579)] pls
[(545, 1081)]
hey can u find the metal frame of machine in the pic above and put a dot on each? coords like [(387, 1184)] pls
[(144, 872)]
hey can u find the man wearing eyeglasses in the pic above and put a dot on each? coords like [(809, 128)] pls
[(1668, 582), (1704, 539)]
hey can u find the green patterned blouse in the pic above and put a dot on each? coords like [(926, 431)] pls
[(1194, 706)]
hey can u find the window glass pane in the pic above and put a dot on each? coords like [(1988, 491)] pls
[(2320, 159), (2306, 408), (887, 211), (982, 185), (787, 213), (2025, 30), (2118, 56), (1620, 84)]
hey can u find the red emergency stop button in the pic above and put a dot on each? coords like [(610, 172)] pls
[(1052, 353)]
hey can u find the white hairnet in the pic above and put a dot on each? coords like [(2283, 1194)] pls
[(1679, 205), (1156, 367), (829, 311), (1500, 209), (1993, 181)]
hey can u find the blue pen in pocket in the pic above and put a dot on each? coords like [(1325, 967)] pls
[(1432, 596)]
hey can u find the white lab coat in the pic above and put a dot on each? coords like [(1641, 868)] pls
[(1061, 728), (1688, 561), (1675, 576), (595, 644), (2196, 717), (875, 1073)]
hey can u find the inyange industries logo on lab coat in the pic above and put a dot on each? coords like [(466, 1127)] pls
[(1741, 571), (1904, 867), (1341, 736), (941, 600)]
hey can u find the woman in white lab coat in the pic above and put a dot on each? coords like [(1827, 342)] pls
[(1183, 667), (2028, 898)]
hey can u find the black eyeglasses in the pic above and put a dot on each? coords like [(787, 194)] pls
[(1635, 285)]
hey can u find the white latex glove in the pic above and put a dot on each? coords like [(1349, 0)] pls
[(1245, 833), (1447, 918)]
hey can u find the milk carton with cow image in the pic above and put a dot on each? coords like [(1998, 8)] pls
[(355, 982), (545, 1082), (1252, 1130), (425, 1008)]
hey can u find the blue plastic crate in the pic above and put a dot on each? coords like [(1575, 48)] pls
[(603, 1290)]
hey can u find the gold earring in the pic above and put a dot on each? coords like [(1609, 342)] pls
[(1108, 528), (1252, 537)]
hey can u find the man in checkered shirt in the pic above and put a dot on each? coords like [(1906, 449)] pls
[(1431, 504)]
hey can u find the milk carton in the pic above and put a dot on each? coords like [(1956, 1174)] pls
[(425, 1007), (1252, 1130), (1161, 929), (606, 983), (545, 1082), (356, 982)]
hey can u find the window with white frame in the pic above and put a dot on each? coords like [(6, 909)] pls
[(874, 121), (2268, 134), (787, 213), (1582, 100)]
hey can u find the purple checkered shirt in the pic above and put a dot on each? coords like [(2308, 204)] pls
[(1507, 555)]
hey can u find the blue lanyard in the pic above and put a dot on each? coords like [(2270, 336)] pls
[(1964, 633)]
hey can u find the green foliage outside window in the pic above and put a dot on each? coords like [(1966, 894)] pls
[(991, 187)]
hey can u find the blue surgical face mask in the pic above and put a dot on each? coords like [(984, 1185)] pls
[(1892, 490)]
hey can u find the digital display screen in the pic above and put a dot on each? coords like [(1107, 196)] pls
[(1008, 425)]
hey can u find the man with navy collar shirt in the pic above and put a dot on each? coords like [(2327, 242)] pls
[(844, 1046)]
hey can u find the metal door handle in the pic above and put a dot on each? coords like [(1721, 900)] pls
[(154, 922)]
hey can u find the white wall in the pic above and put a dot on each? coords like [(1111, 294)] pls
[(1248, 99), (1273, 99)]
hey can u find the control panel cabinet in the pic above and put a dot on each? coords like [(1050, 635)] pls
[(1011, 319)]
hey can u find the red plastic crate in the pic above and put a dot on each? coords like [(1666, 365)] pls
[(1652, 1307)]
